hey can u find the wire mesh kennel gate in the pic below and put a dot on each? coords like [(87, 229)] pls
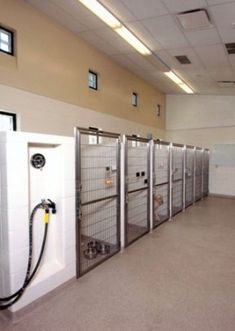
[(161, 182), (198, 174), (137, 186), (177, 178), (189, 175), (205, 170), (97, 197)]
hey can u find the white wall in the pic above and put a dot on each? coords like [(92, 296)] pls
[(45, 115), (199, 111), (204, 121)]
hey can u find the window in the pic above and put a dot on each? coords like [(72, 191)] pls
[(93, 80), (158, 110), (6, 41), (7, 121), (134, 99)]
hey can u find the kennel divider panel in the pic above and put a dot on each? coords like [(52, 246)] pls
[(189, 175), (97, 196), (161, 181), (137, 190), (177, 178), (198, 173), (206, 158)]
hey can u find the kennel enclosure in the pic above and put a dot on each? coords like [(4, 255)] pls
[(97, 197), (189, 175), (137, 186), (177, 169), (205, 170), (161, 183), (198, 173)]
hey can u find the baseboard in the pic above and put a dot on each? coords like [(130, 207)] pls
[(18, 315), (224, 196)]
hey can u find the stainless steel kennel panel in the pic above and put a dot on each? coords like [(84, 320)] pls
[(161, 182), (198, 174), (189, 175), (97, 197), (205, 164), (136, 188), (177, 177)]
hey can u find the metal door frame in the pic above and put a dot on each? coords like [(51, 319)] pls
[(207, 152), (78, 131), (195, 163), (172, 181), (189, 147), (165, 143), (147, 141)]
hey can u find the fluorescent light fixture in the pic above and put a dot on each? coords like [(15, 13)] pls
[(133, 40), (186, 88), (179, 82), (106, 16), (100, 11)]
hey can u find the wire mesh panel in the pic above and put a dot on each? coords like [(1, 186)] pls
[(189, 175), (161, 169), (137, 188), (177, 178), (206, 157), (198, 173), (98, 198)]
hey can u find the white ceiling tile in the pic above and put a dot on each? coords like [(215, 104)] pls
[(112, 37), (168, 59), (143, 34), (212, 56), (141, 62), (224, 73), (232, 59), (119, 10), (59, 15), (217, 2), (78, 11), (224, 17), (203, 37), (227, 34), (176, 6), (166, 32), (142, 9), (125, 62), (190, 53)]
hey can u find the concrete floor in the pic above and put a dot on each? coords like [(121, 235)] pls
[(180, 277)]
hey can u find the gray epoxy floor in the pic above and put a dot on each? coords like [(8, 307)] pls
[(180, 277)]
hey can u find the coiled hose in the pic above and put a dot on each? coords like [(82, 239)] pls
[(7, 302)]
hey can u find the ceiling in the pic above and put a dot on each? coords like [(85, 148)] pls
[(155, 23)]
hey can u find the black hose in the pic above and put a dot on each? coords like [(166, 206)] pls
[(29, 276)]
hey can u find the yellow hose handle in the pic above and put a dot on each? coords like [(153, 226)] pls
[(46, 216)]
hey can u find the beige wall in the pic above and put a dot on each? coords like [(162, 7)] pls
[(41, 114), (53, 62)]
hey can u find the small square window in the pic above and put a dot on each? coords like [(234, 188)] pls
[(93, 80), (158, 110), (134, 99), (6, 41), (7, 121)]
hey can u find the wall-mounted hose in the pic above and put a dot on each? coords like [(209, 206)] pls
[(6, 302)]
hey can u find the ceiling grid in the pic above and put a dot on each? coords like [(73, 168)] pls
[(155, 23)]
